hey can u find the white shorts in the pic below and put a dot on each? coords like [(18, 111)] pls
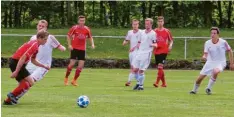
[(142, 61), (37, 73), (132, 55), (210, 66)]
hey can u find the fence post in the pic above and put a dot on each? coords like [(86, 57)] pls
[(185, 48)]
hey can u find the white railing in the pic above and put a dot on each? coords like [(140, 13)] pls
[(122, 37)]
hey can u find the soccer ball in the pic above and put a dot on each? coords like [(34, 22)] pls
[(83, 101)]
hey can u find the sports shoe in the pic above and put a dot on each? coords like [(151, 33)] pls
[(164, 85), (127, 84), (155, 85), (73, 82), (140, 87), (208, 91), (136, 87), (8, 103), (192, 92), (65, 81), (12, 97)]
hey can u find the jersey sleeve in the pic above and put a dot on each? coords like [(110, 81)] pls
[(71, 31), (154, 39), (169, 35), (31, 50), (54, 42), (227, 46), (127, 37), (206, 48)]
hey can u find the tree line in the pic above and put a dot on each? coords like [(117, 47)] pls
[(25, 14)]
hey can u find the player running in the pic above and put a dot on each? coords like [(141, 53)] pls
[(44, 55), (18, 64), (215, 55), (165, 42), (77, 44), (143, 56), (134, 37)]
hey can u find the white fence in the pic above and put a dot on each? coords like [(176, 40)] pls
[(122, 37)]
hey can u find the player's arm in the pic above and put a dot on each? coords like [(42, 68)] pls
[(205, 54), (127, 38), (230, 53), (55, 44), (170, 40), (90, 37), (19, 66), (125, 42), (35, 62), (154, 41), (69, 37)]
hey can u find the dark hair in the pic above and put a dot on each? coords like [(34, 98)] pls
[(81, 16), (215, 28)]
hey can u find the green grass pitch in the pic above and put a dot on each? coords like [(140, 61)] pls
[(110, 98)]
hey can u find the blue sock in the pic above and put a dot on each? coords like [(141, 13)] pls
[(141, 79)]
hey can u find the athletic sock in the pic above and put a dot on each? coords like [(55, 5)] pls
[(211, 83), (195, 87), (141, 79), (77, 74), (23, 87), (69, 69), (131, 76)]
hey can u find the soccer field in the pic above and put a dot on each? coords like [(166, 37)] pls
[(110, 98)]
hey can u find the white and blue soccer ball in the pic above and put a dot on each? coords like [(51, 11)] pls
[(83, 101)]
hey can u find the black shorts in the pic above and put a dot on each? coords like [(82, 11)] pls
[(23, 73), (77, 54), (160, 58)]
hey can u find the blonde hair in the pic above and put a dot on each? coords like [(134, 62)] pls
[(149, 19), (43, 21), (135, 20)]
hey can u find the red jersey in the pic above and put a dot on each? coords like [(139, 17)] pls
[(163, 36), (30, 49), (79, 36)]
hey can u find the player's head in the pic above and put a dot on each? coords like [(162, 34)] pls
[(42, 36), (81, 20), (42, 24), (148, 23), (160, 21), (214, 32), (135, 24)]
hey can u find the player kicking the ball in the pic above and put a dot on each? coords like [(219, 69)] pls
[(215, 55), (77, 44), (44, 55), (18, 64), (165, 42), (143, 56), (134, 37)]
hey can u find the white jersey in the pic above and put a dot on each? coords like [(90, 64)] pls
[(216, 52), (44, 54), (134, 38), (146, 40)]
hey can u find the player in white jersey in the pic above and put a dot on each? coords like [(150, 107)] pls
[(44, 54), (134, 37), (142, 60), (215, 55)]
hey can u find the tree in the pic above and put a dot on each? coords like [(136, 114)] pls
[(143, 10), (81, 7), (220, 14), (101, 13), (62, 13), (229, 12)]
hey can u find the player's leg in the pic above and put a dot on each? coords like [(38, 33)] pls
[(25, 82), (144, 64), (197, 83), (78, 71), (164, 84), (81, 62), (136, 65), (213, 78), (158, 77), (131, 74), (36, 76), (73, 59)]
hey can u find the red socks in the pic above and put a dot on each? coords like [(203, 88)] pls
[(20, 89), (160, 75), (77, 74), (69, 69)]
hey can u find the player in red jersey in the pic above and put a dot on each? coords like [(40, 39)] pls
[(76, 39), (18, 64), (165, 42)]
